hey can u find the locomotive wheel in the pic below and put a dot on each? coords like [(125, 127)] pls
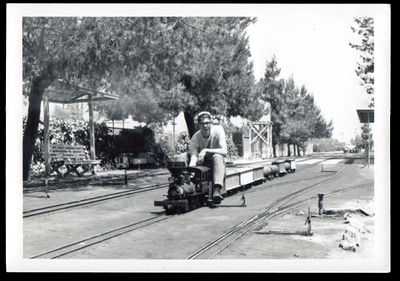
[(170, 211), (201, 201)]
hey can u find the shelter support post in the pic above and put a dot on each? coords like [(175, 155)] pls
[(46, 123), (46, 135), (91, 134)]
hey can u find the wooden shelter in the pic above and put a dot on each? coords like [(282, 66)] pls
[(66, 93), (367, 116)]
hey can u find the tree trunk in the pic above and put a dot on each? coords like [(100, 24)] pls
[(274, 150), (189, 118), (39, 84)]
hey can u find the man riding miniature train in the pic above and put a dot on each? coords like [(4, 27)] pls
[(208, 148)]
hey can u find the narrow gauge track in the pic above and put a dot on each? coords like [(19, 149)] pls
[(103, 198), (97, 239), (117, 180), (110, 180), (88, 201), (240, 229), (216, 246), (295, 205), (97, 199)]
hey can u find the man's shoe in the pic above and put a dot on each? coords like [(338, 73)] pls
[(217, 197)]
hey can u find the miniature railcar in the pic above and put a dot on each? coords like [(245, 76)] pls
[(191, 187), (130, 160)]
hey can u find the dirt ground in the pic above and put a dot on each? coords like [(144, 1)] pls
[(345, 231), (350, 214)]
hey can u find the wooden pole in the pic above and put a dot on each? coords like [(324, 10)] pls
[(260, 140), (91, 134), (368, 141), (250, 142), (46, 139)]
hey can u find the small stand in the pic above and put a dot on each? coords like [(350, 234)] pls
[(308, 221), (46, 187)]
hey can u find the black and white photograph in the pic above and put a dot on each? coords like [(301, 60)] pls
[(198, 138)]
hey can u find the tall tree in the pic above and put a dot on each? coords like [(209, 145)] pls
[(365, 69), (272, 92), (216, 74), (159, 66), (204, 65), (295, 116), (91, 52)]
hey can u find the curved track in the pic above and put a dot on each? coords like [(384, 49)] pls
[(278, 207), (209, 250)]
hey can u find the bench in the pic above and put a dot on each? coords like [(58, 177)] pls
[(70, 156)]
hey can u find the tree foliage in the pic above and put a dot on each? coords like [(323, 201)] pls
[(158, 66), (366, 136), (295, 116), (365, 68), (215, 71), (326, 144)]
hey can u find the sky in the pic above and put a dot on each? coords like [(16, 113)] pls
[(310, 43), (313, 48)]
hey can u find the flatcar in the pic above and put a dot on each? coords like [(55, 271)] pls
[(191, 187), (131, 160)]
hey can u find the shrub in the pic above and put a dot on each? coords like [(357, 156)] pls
[(107, 146), (182, 144)]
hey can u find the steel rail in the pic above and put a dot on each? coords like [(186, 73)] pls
[(304, 201), (107, 181), (101, 198), (88, 201), (251, 222), (97, 239), (278, 212), (286, 209)]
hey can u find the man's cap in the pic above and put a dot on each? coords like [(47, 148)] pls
[(203, 114)]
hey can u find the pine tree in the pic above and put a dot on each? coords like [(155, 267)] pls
[(365, 68)]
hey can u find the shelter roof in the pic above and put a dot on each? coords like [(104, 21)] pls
[(62, 92), (366, 115)]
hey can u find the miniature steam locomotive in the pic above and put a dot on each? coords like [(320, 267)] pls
[(191, 187)]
